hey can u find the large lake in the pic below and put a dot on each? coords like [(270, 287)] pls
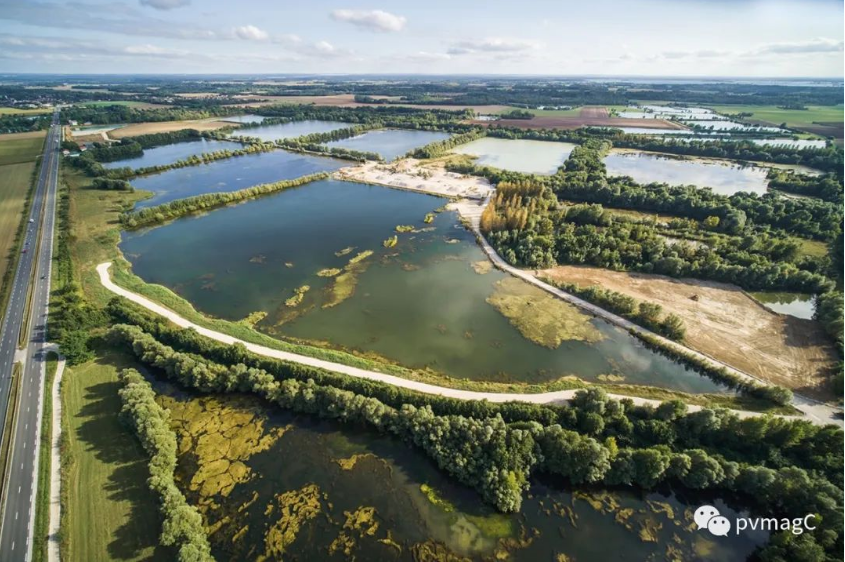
[(722, 177), (171, 153), (269, 133), (390, 143), (426, 302), (528, 156), (318, 490), (231, 174)]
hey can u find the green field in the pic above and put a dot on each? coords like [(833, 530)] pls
[(16, 111), (792, 117), (110, 513), (20, 147)]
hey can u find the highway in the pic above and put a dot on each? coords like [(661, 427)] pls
[(17, 513)]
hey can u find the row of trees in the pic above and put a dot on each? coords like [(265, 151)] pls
[(827, 187), (315, 143), (182, 526), (207, 158), (112, 185), (497, 458), (439, 148), (181, 207), (771, 441), (647, 314)]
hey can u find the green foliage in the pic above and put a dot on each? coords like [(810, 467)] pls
[(182, 207), (827, 187), (108, 184), (517, 114), (439, 148), (182, 526)]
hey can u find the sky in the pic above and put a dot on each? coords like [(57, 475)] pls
[(755, 38)]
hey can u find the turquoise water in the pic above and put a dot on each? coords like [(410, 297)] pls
[(390, 143), (171, 153), (231, 174), (420, 303), (527, 156)]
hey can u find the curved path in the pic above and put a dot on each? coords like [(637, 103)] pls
[(557, 397)]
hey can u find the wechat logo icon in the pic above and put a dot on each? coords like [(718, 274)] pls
[(708, 517)]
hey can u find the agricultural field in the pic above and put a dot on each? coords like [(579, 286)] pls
[(18, 111), (135, 129), (18, 153), (818, 120)]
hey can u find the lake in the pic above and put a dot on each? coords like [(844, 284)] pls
[(301, 488), (390, 143), (716, 125), (269, 133), (231, 174), (798, 305), (528, 156), (432, 300), (170, 153), (722, 177)]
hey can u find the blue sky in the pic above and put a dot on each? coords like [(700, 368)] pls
[(561, 37)]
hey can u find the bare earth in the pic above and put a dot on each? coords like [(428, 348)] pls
[(136, 129), (727, 324), (410, 174)]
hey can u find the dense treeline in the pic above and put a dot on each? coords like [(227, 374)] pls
[(774, 442), (827, 187), (498, 458), (182, 526), (23, 123), (646, 314), (109, 184), (525, 226), (483, 453), (207, 158), (439, 148), (399, 117), (109, 114), (182, 207), (127, 148)]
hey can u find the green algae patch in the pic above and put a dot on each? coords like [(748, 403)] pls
[(349, 463), (221, 438), (434, 497), (294, 508), (404, 228), (391, 242), (540, 317), (431, 551), (429, 218), (253, 318), (329, 272), (298, 295), (360, 256), (482, 267), (359, 524), (343, 285), (345, 251)]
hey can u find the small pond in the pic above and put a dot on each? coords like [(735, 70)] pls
[(528, 156)]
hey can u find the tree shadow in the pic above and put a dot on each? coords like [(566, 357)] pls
[(102, 434)]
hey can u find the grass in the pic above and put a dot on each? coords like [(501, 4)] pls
[(813, 248), (41, 532), (108, 510), (16, 188), (792, 117), (19, 111), (17, 148), (8, 428)]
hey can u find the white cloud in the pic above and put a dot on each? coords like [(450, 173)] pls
[(373, 20), (165, 4), (492, 45), (250, 33), (819, 45), (425, 56)]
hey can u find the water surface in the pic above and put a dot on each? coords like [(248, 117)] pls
[(231, 174), (170, 153), (722, 177), (528, 156), (345, 493), (291, 130), (799, 305), (420, 303), (245, 118), (390, 143)]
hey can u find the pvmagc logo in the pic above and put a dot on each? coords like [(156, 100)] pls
[(708, 517)]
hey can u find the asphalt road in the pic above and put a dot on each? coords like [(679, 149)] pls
[(18, 512)]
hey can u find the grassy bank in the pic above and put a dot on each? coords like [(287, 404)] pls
[(41, 530), (104, 471)]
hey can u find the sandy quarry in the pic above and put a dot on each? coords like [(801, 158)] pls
[(727, 324), (412, 175)]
